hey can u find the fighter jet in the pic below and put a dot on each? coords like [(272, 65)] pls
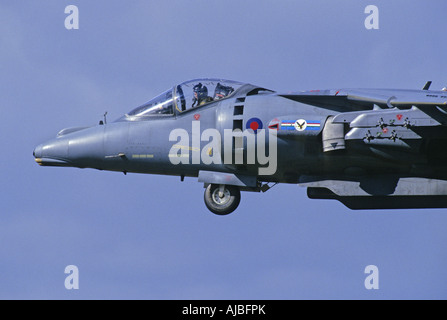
[(367, 148)]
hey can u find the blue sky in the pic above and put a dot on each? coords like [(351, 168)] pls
[(151, 237)]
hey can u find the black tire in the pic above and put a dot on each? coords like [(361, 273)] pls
[(222, 205)]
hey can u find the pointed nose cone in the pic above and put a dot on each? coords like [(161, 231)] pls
[(52, 153), (82, 148), (37, 153)]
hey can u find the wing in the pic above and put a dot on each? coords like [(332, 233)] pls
[(344, 100), (396, 126), (382, 192)]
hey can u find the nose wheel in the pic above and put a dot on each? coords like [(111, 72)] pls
[(222, 199)]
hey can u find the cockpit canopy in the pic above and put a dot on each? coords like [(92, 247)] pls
[(187, 95)]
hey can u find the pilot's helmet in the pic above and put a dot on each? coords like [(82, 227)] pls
[(222, 91), (200, 92), (444, 89)]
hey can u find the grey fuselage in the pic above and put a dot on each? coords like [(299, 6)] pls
[(368, 148), (143, 145)]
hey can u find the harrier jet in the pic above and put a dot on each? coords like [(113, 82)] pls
[(367, 148)]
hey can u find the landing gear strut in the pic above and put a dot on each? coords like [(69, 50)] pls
[(222, 199)]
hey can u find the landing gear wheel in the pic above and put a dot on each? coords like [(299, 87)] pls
[(222, 199)]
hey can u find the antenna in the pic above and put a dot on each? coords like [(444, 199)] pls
[(105, 117)]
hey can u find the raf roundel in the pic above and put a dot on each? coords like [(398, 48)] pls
[(254, 124)]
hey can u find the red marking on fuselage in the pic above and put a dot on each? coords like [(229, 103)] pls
[(254, 126)]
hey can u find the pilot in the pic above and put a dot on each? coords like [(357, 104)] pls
[(222, 91), (200, 95)]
